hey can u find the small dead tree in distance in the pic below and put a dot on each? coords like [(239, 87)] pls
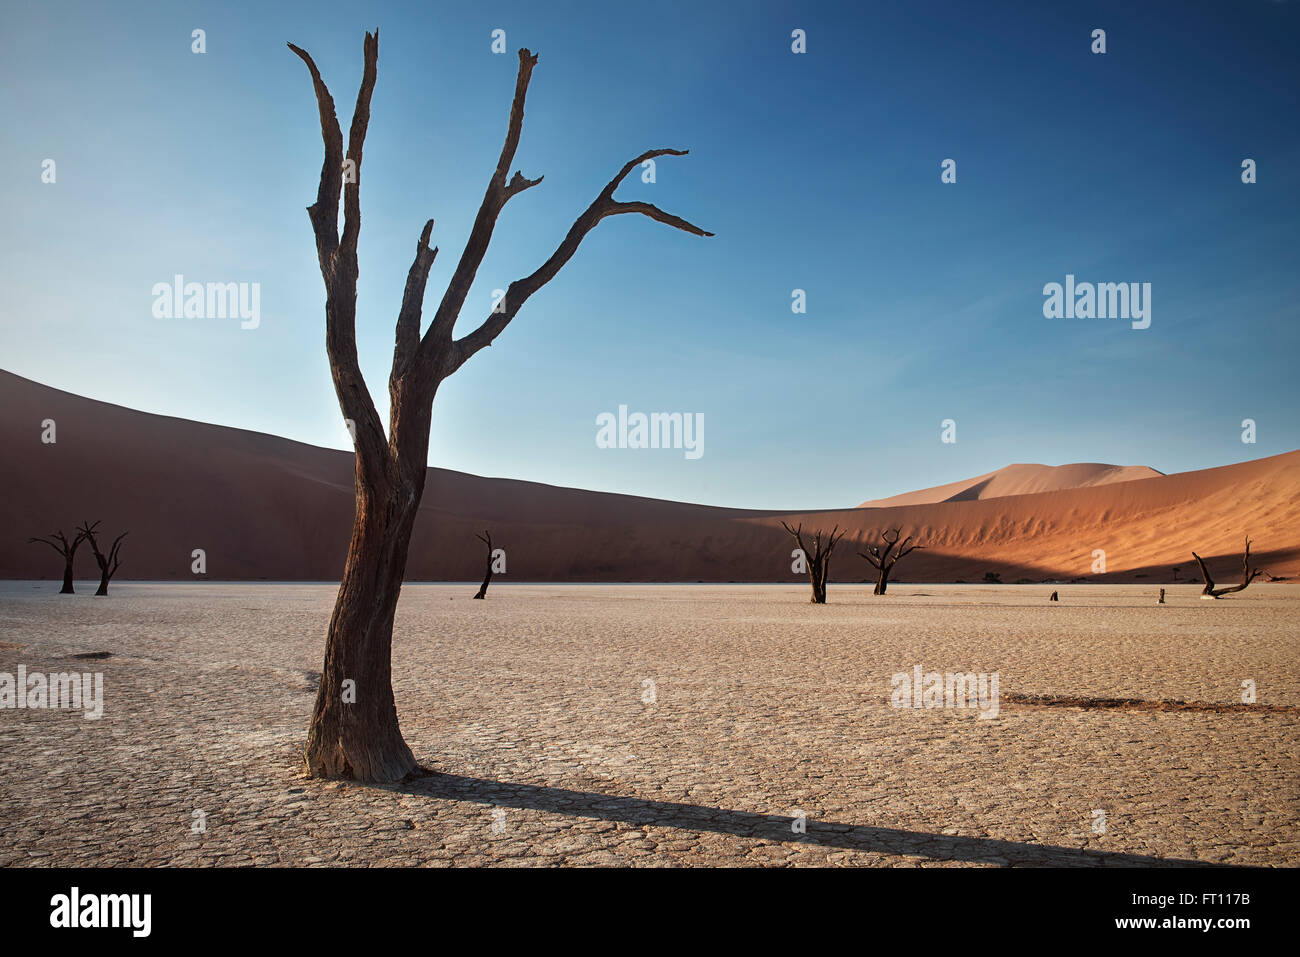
[(108, 564), (818, 560), (1247, 576), (884, 557), (486, 538), (68, 549), (361, 739)]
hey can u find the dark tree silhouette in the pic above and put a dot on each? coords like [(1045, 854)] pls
[(885, 557), (1247, 576), (486, 538), (818, 560), (359, 737), (68, 549), (108, 564)]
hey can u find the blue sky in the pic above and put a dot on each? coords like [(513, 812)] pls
[(818, 171)]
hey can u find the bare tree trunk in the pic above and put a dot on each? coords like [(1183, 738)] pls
[(354, 731), (818, 576), (486, 537)]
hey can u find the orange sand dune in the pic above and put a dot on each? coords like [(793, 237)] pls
[(263, 507), (1019, 480)]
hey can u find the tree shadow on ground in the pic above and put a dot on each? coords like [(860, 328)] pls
[(640, 812)]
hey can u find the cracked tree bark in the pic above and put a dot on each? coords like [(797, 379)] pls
[(354, 730)]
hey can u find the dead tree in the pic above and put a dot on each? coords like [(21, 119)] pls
[(108, 564), (1247, 576), (360, 738), (884, 556), (486, 538), (818, 560), (68, 549)]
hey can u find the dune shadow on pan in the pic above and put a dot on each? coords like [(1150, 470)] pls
[(640, 812)]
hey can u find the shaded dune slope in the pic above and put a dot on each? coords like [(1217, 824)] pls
[(263, 507)]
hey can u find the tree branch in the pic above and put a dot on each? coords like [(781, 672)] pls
[(798, 536), (408, 319), (112, 553), (657, 214), (519, 183), (494, 199), (1247, 576), (356, 143), (906, 550), (520, 290), (338, 261), (889, 546), (324, 213), (62, 549), (1205, 574), (89, 531)]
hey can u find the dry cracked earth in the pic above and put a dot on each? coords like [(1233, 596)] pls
[(666, 726)]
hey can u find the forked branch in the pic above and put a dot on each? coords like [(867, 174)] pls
[(108, 564), (519, 291), (1247, 575), (887, 554), (496, 195), (338, 256), (59, 542)]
